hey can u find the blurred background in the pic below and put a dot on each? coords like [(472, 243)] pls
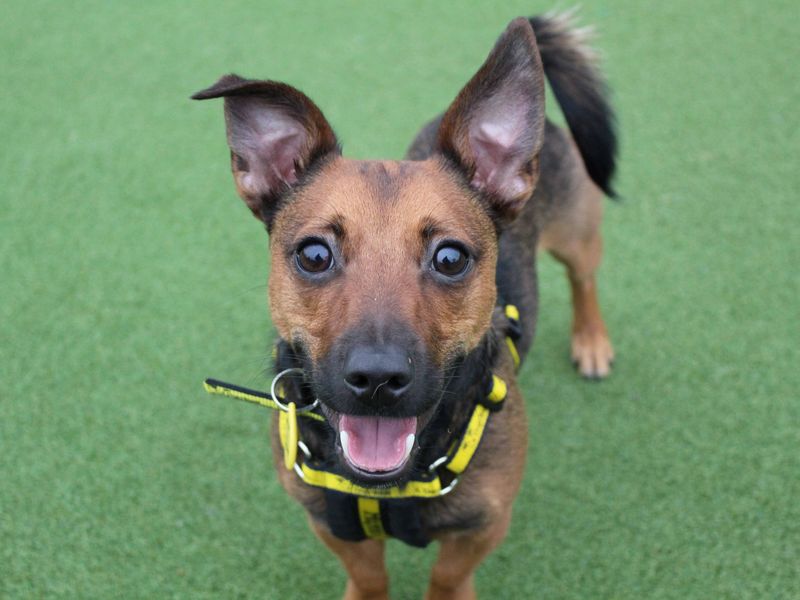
[(129, 271)]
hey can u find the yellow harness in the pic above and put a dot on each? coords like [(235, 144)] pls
[(455, 461), (440, 478)]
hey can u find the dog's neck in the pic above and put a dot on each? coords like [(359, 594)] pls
[(470, 377)]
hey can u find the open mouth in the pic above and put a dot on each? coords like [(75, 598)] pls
[(377, 446)]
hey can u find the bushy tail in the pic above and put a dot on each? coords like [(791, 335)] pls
[(570, 65)]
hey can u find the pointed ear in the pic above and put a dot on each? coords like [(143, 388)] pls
[(275, 133), (495, 127)]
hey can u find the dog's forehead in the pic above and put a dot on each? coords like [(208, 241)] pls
[(387, 199)]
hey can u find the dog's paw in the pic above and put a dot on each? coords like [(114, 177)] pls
[(592, 353)]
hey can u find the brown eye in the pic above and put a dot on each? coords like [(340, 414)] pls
[(314, 257), (450, 260)]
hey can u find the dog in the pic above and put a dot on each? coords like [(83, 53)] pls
[(405, 296)]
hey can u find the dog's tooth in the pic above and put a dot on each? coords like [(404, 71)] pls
[(344, 437), (409, 445)]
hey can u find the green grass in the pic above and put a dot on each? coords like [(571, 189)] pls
[(130, 271)]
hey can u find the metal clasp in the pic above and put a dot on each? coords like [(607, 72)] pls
[(281, 405), (435, 465)]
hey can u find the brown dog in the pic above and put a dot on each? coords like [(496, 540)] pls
[(404, 293)]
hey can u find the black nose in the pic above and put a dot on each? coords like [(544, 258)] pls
[(378, 376)]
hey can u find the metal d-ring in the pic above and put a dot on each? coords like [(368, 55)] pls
[(307, 453), (435, 464), (449, 488), (281, 405), (302, 445)]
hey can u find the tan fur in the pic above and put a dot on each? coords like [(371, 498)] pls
[(453, 573), (382, 243), (572, 236), (364, 562)]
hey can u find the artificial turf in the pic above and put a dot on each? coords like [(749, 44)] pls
[(130, 271)]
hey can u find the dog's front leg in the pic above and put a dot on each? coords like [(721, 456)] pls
[(452, 576), (366, 572)]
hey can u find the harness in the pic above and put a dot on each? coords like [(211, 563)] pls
[(356, 512)]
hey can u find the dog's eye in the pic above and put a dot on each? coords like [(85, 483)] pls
[(450, 260), (314, 256)]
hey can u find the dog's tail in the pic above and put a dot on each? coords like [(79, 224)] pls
[(570, 65)]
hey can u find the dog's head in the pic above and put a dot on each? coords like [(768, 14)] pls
[(383, 272)]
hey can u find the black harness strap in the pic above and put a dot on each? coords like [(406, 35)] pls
[(398, 518)]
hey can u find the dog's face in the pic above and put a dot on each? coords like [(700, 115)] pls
[(383, 273)]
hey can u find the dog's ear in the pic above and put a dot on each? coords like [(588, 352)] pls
[(275, 133), (495, 127)]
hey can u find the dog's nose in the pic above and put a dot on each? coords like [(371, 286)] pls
[(378, 376)]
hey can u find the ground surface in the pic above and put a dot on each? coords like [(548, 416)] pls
[(130, 272)]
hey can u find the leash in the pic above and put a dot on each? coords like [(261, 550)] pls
[(356, 512)]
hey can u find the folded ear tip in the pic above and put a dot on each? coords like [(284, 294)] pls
[(221, 88)]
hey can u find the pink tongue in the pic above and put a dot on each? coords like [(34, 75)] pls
[(377, 443)]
